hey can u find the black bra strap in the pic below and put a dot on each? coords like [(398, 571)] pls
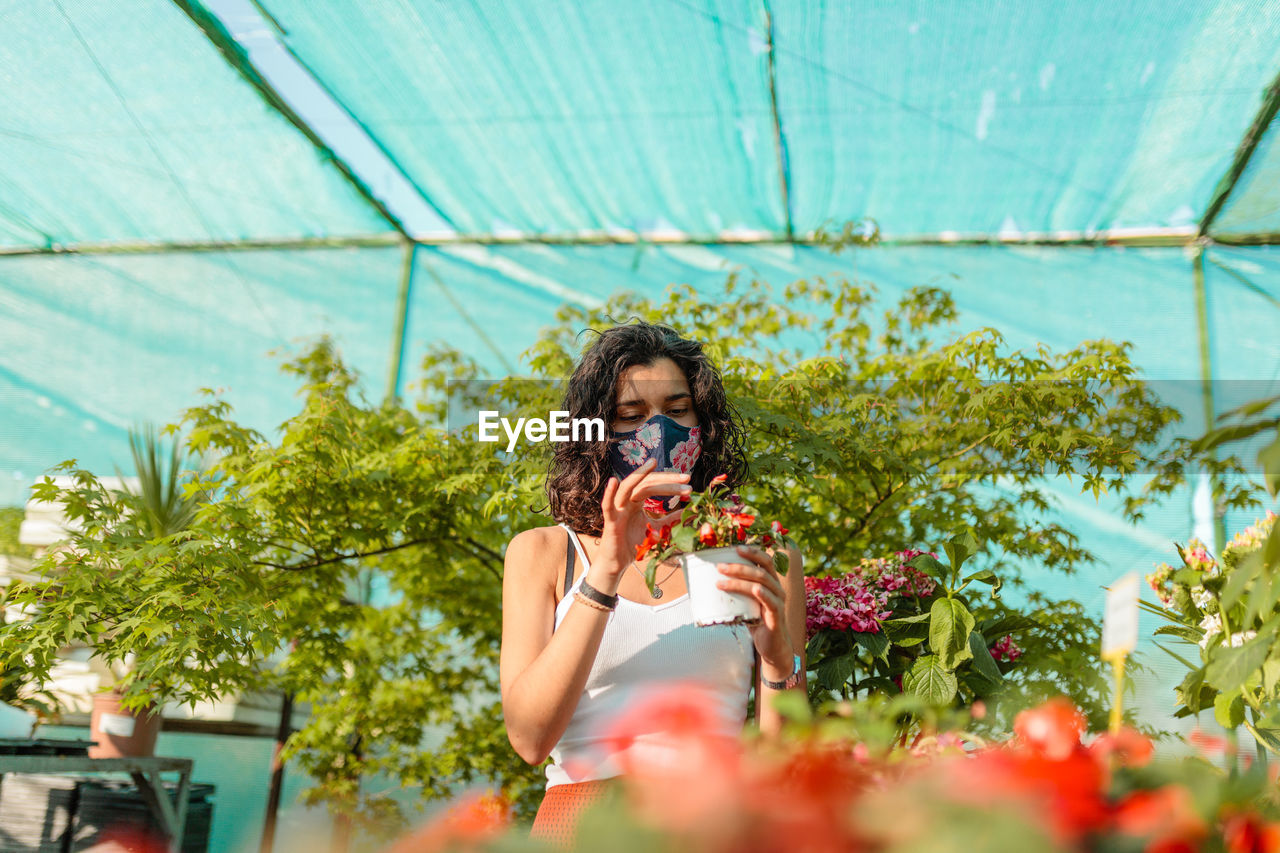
[(568, 566)]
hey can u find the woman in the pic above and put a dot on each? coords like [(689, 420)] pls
[(581, 632)]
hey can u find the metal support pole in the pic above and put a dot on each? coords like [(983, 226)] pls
[(402, 321), (277, 773), (1206, 387), (1153, 238), (1267, 112), (238, 58), (779, 139)]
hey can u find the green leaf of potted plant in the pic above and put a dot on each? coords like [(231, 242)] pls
[(706, 535), (155, 508)]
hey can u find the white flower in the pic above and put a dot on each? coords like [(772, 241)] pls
[(1201, 597), (1211, 624), (1239, 638)]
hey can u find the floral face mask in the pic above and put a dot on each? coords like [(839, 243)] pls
[(676, 447)]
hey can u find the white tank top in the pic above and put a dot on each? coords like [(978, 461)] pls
[(643, 647)]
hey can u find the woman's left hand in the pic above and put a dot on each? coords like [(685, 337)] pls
[(758, 578)]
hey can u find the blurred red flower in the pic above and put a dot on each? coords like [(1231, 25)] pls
[(1046, 767), (1067, 791), (673, 738), (1248, 833), (469, 822), (1210, 746), (687, 776), (1053, 729), (1166, 815), (1129, 747), (126, 838)]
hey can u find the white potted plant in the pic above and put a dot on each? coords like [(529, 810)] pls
[(706, 535)]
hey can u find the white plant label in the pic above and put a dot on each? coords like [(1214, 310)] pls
[(1120, 625), (116, 724)]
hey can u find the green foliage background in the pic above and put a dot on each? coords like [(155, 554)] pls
[(10, 521)]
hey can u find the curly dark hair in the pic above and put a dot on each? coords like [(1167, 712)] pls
[(580, 470)]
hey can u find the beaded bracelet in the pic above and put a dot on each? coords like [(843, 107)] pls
[(577, 596)]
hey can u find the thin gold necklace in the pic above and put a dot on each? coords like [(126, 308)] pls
[(657, 586)]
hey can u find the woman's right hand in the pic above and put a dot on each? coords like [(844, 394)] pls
[(624, 518)]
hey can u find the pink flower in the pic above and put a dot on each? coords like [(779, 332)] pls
[(867, 595), (1006, 649), (842, 604), (1161, 583), (1197, 557)]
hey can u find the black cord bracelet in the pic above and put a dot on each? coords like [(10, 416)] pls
[(609, 601)]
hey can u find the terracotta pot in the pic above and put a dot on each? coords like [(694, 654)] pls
[(710, 605), (121, 733)]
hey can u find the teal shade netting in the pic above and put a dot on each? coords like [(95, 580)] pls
[(172, 209)]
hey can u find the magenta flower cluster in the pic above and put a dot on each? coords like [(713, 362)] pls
[(863, 598), (1006, 649)]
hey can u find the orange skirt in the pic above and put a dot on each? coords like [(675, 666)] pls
[(557, 819)]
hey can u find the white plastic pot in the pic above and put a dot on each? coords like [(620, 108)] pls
[(711, 605)]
